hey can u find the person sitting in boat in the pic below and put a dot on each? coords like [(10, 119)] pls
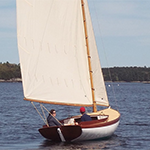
[(84, 117), (51, 119)]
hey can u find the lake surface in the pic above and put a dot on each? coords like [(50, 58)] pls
[(19, 121)]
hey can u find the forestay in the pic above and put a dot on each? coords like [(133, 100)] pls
[(53, 53)]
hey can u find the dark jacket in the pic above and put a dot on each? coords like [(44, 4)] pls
[(52, 121), (85, 117)]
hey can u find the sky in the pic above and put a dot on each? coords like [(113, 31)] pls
[(122, 31)]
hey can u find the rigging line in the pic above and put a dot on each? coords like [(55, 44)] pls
[(89, 109), (28, 3), (39, 113), (109, 72), (43, 112), (52, 115)]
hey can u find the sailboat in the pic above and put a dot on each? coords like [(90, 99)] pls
[(60, 65)]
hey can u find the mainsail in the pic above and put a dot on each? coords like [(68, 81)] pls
[(53, 53)]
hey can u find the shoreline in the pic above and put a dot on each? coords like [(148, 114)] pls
[(12, 80), (129, 81), (20, 80)]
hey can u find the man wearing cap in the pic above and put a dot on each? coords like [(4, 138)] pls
[(84, 117)]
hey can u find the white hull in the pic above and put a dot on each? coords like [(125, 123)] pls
[(98, 132)]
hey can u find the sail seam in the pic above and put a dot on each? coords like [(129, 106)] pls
[(28, 2)]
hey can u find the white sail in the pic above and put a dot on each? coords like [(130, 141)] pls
[(98, 81), (53, 54)]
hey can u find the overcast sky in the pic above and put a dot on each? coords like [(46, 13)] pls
[(122, 29)]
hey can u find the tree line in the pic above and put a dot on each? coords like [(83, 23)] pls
[(127, 74), (10, 71)]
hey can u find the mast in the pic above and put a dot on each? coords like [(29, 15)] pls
[(89, 57)]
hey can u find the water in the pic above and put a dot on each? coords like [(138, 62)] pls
[(19, 122)]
